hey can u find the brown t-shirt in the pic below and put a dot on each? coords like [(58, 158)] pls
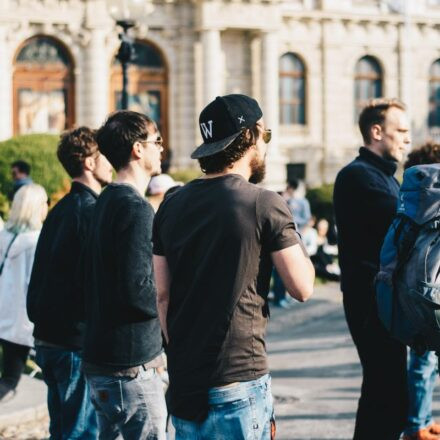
[(217, 235)]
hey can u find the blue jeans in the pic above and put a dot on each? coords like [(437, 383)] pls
[(129, 408), (239, 412), (71, 413), (422, 374)]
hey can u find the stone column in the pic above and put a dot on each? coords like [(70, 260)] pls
[(96, 79), (6, 109), (276, 164), (212, 66), (336, 116), (405, 64)]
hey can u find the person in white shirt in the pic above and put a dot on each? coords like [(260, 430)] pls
[(18, 241)]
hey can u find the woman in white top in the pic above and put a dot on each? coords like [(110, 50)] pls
[(17, 248)]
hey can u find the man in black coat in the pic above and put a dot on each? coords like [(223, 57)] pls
[(55, 300), (123, 342), (365, 201)]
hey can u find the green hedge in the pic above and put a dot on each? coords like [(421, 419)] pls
[(185, 175), (321, 201), (40, 151)]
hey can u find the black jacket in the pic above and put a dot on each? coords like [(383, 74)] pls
[(55, 300), (122, 324), (365, 202)]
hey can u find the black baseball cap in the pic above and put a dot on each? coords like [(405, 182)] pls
[(223, 120)]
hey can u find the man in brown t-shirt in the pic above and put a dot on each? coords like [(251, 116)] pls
[(214, 244)]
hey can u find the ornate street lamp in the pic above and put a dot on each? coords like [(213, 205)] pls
[(126, 13)]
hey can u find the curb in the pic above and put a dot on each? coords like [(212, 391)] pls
[(23, 416)]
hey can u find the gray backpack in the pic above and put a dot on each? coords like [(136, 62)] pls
[(408, 284)]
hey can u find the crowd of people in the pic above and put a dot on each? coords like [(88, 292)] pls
[(109, 282), (315, 238)]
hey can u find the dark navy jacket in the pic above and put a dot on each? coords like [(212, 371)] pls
[(365, 202), (122, 323), (55, 300)]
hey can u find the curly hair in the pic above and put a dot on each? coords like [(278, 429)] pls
[(219, 162), (74, 147), (426, 154)]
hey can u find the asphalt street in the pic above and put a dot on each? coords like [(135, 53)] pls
[(315, 370), (316, 374)]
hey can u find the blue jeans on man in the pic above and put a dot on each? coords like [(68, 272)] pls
[(129, 407), (71, 412), (238, 412), (422, 374)]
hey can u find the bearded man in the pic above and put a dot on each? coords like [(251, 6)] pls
[(214, 243)]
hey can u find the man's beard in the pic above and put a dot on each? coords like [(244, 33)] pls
[(258, 169)]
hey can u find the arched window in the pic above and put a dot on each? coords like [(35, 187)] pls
[(367, 83), (292, 90), (43, 87), (434, 95), (148, 86)]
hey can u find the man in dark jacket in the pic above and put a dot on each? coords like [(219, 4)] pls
[(365, 201), (54, 300), (123, 344)]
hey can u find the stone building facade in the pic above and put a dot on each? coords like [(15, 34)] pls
[(311, 64)]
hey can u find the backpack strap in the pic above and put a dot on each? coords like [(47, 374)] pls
[(7, 252), (433, 224), (398, 230), (404, 240)]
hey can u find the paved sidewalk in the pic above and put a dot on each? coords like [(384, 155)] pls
[(315, 369), (29, 404)]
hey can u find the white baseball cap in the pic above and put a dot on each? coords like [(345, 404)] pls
[(161, 184)]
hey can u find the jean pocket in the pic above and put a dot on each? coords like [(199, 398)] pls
[(234, 405), (108, 398)]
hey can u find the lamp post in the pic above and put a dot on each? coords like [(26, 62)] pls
[(125, 55), (126, 13)]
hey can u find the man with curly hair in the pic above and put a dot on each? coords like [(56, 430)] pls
[(214, 243), (422, 369), (54, 301), (426, 154)]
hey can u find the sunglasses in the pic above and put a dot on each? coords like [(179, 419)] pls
[(158, 142), (267, 136)]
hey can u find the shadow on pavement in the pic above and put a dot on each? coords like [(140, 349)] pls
[(336, 416), (324, 371), (317, 347)]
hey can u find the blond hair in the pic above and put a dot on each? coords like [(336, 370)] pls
[(27, 209), (375, 113)]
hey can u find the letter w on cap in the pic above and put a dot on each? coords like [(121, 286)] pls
[(207, 129)]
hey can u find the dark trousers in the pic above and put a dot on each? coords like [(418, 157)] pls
[(279, 290), (383, 405), (14, 361)]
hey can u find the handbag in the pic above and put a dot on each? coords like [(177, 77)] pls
[(7, 252)]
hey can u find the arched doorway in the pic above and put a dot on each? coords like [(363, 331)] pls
[(43, 87), (148, 86)]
